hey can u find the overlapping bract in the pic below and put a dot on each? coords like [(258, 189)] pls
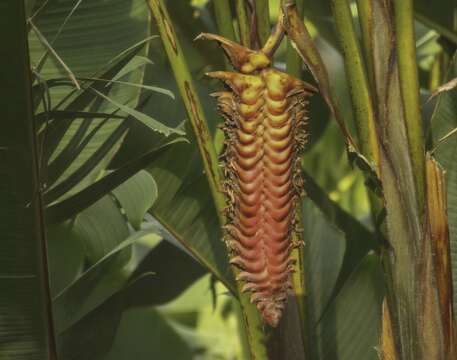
[(265, 118)]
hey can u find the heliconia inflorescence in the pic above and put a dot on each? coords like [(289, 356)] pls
[(264, 127)]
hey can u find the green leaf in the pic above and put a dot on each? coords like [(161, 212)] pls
[(26, 326), (100, 228), (134, 64), (97, 284), (92, 336), (136, 196), (359, 240), (185, 208), (86, 45), (140, 86), (50, 50), (169, 281), (350, 327), (153, 338), (184, 205), (444, 120), (62, 115), (80, 201), (150, 122), (439, 17), (94, 164), (65, 255), (89, 310), (325, 247)]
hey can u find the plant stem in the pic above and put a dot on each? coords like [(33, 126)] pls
[(360, 89), (357, 80), (263, 20), (190, 98), (224, 19), (364, 9), (26, 327), (252, 319), (409, 84), (410, 260), (293, 61), (243, 21)]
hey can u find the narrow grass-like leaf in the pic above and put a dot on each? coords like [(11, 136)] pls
[(63, 115), (74, 145), (56, 56), (75, 178), (136, 63), (79, 102), (140, 86), (147, 120), (43, 58)]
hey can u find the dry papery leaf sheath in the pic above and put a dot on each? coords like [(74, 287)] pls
[(265, 117)]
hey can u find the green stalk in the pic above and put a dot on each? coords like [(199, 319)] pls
[(225, 26), (26, 326), (360, 90), (243, 21), (252, 319), (365, 12), (224, 19), (294, 63), (410, 261), (189, 95), (357, 80), (409, 84), (293, 67), (262, 11)]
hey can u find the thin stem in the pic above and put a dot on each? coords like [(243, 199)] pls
[(262, 11), (252, 319), (357, 80), (409, 84), (224, 19), (243, 21), (294, 63), (364, 9), (190, 98)]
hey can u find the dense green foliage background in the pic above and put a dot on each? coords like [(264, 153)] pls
[(136, 264)]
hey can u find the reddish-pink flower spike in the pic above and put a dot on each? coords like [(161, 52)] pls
[(265, 118)]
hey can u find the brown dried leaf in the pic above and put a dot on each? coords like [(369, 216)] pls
[(438, 233), (387, 349), (302, 42)]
